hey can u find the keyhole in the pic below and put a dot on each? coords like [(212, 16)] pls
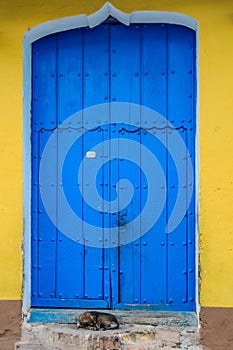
[(121, 221)]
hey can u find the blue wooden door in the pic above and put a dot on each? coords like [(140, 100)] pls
[(142, 66)]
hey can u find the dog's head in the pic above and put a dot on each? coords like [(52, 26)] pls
[(92, 320)]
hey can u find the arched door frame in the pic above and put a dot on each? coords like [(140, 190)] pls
[(69, 23)]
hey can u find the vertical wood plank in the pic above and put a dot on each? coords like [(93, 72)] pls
[(180, 111), (125, 87), (44, 118), (95, 80), (191, 180), (35, 212), (154, 95), (69, 262)]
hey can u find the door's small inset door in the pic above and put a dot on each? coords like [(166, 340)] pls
[(109, 162)]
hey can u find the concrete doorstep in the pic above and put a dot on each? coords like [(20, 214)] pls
[(134, 333)]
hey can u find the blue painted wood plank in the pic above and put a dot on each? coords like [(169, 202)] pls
[(110, 259), (44, 117), (44, 82), (105, 179), (47, 232), (138, 180), (177, 239), (191, 217), (70, 65), (191, 181), (154, 67), (125, 63), (69, 261), (70, 303), (95, 66), (153, 259), (154, 95), (95, 91), (113, 173), (154, 307), (125, 86), (181, 75), (180, 111), (35, 214)]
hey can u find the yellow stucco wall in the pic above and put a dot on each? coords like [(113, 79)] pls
[(216, 129)]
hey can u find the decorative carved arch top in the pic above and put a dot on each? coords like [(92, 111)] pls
[(102, 14)]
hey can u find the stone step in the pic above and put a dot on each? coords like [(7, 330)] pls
[(29, 346), (127, 337)]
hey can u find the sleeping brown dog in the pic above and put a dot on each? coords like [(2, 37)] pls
[(95, 320)]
